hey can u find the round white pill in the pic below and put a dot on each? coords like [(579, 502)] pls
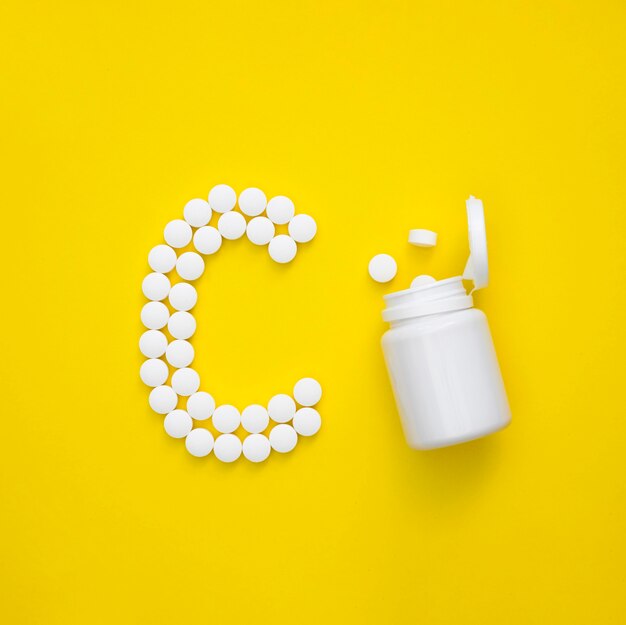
[(302, 228), (154, 372), (181, 325), (162, 258), (178, 424), (280, 209), (154, 315), (197, 212), (180, 354), (252, 201), (222, 198), (422, 280), (226, 418), (254, 418), (232, 225), (155, 286), (260, 230), (163, 399), (382, 268), (190, 266), (200, 406), (282, 248), (281, 408), (152, 344), (227, 448), (307, 391), (307, 421), (199, 442), (256, 447), (283, 438), (183, 296), (207, 240), (177, 233), (423, 238), (185, 381)]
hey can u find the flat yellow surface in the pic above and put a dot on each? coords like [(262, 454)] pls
[(375, 118)]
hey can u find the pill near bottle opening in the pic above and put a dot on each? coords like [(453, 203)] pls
[(185, 381), (280, 209), (282, 249), (281, 408), (154, 372), (226, 418), (207, 240), (307, 421), (307, 392), (283, 438), (200, 406), (260, 230), (422, 238), (190, 266), (177, 233), (232, 225), (155, 286), (154, 315), (227, 448), (163, 399), (252, 201), (181, 325), (254, 418), (302, 228), (179, 353), (422, 280), (162, 258), (256, 447), (382, 268), (222, 198), (183, 296), (152, 343), (178, 424), (197, 213), (199, 442)]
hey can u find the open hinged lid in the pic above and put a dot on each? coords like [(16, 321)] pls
[(477, 267)]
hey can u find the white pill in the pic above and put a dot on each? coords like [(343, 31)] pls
[(382, 268), (282, 248), (163, 399), (162, 258), (185, 381), (222, 198), (232, 225), (177, 233), (226, 418), (183, 296), (199, 442), (280, 209), (252, 201), (256, 447), (260, 230), (423, 238), (152, 344), (154, 315), (281, 408), (207, 240), (422, 280), (307, 391), (178, 424), (181, 325), (197, 213), (155, 286), (227, 448), (180, 354), (254, 418), (283, 438), (190, 266), (307, 421), (302, 228), (154, 372), (200, 406)]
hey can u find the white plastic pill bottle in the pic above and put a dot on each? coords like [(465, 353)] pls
[(440, 355)]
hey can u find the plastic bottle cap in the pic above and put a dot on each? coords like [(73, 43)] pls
[(477, 267)]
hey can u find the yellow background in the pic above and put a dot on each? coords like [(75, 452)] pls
[(375, 118)]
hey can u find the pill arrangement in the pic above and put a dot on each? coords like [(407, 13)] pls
[(293, 415)]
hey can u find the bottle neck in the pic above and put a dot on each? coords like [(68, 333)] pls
[(429, 299)]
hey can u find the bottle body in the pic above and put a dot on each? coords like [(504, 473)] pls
[(445, 377)]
